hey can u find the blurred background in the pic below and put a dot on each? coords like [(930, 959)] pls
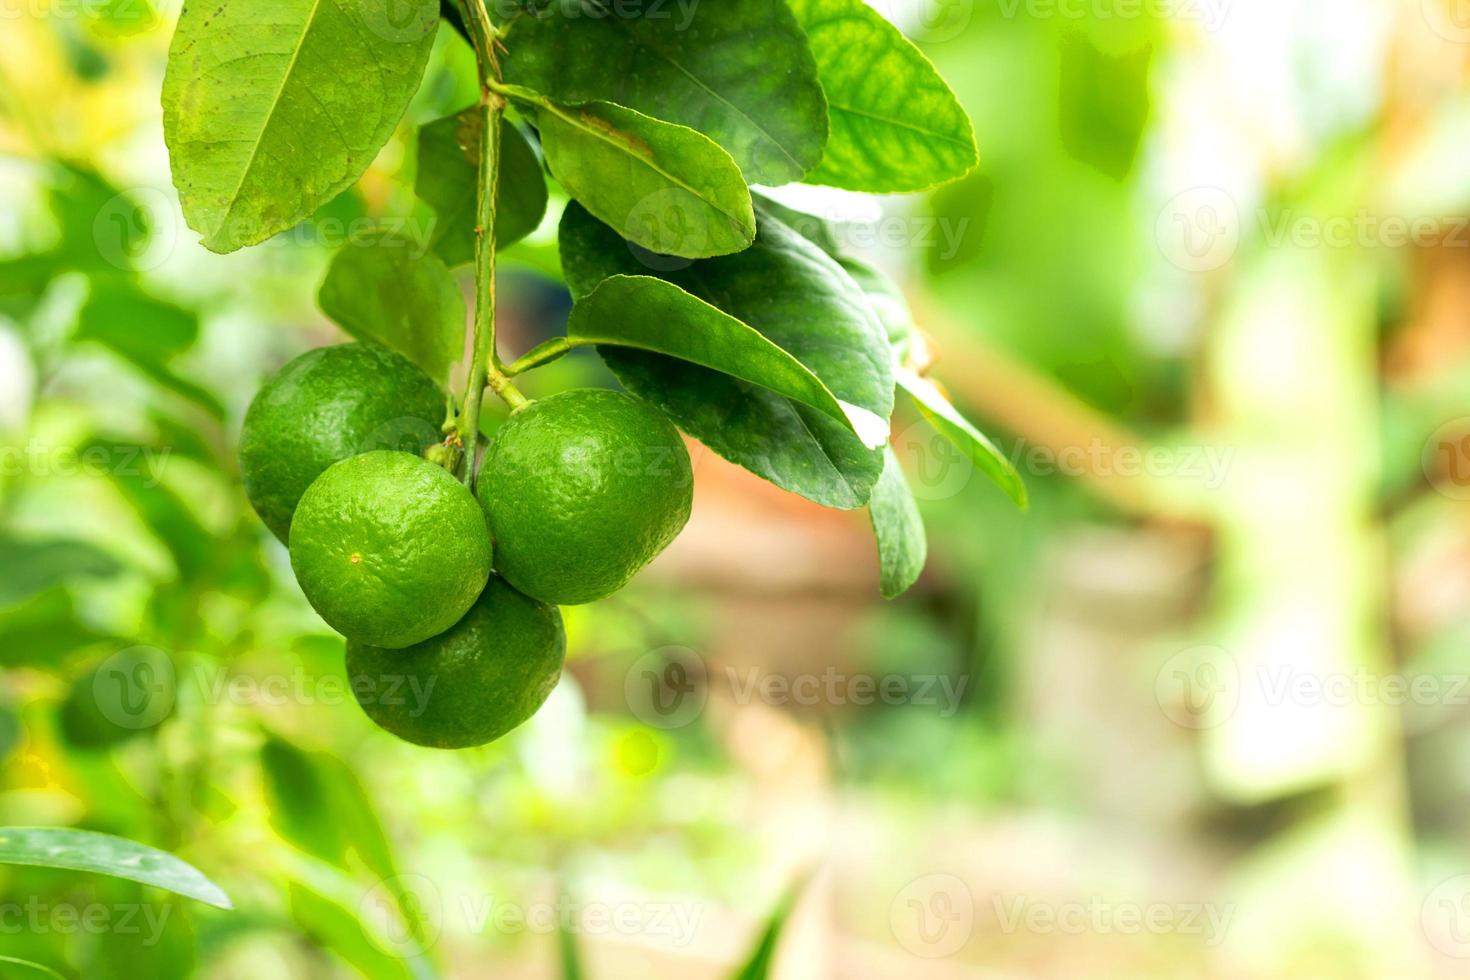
[(1203, 711)]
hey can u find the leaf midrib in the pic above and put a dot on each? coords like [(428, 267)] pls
[(572, 119), (270, 115), (901, 124), (703, 86)]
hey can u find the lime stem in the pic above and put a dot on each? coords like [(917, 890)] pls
[(484, 364), (543, 353)]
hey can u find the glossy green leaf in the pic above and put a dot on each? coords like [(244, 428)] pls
[(947, 420), (650, 314), (388, 290), (447, 180), (902, 546), (271, 107), (741, 73), (83, 850), (798, 298), (896, 125), (666, 187)]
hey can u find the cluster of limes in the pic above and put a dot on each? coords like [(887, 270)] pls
[(440, 589)]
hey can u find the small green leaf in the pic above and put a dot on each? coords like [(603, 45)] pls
[(83, 850), (653, 315), (798, 298), (896, 125), (947, 420), (902, 546), (665, 187), (762, 957), (388, 290), (29, 567), (337, 927), (121, 316), (448, 176), (27, 964), (271, 107), (741, 73)]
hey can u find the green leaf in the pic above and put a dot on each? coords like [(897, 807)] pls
[(947, 420), (83, 850), (666, 187), (763, 956), (902, 547), (271, 107), (799, 299), (741, 73), (337, 927), (316, 802), (448, 179), (896, 125), (27, 964), (569, 954), (28, 568), (387, 290), (121, 316), (651, 314)]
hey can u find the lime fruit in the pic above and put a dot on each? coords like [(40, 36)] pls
[(581, 490), (389, 548), (470, 685), (325, 406)]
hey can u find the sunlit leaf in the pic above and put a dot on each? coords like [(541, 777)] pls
[(271, 107), (896, 125), (83, 850)]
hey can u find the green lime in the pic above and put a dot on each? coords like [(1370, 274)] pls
[(325, 406), (470, 685), (389, 548), (582, 490)]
